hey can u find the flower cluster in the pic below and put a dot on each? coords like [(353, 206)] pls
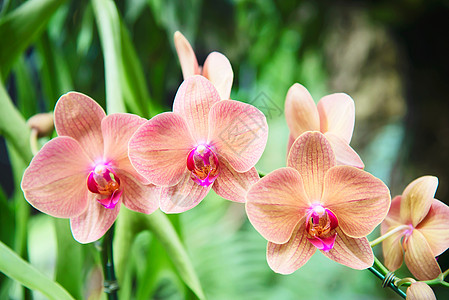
[(322, 199)]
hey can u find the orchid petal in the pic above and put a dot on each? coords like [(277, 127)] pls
[(94, 222), (420, 291), (312, 155), (393, 218), (417, 199), (344, 154), (337, 115), (239, 132), (78, 116), (291, 140), (186, 55), (358, 199), (276, 203), (435, 227), (289, 257), (182, 196), (159, 148), (193, 101), (218, 70), (392, 251), (355, 253), (301, 113), (233, 185), (419, 257), (117, 129), (137, 196), (58, 170)]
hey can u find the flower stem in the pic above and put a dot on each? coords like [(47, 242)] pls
[(383, 274), (387, 235), (110, 282)]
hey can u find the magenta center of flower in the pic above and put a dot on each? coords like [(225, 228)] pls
[(203, 165), (321, 224), (104, 181)]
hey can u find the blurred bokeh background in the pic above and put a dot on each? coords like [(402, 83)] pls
[(391, 57)]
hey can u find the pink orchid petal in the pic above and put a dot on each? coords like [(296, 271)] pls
[(56, 180), (218, 70), (159, 148), (358, 199), (289, 257), (193, 101), (301, 113), (117, 129), (291, 140), (392, 218), (419, 257), (344, 154), (337, 115), (233, 185), (187, 57), (311, 154), (355, 253), (392, 251), (94, 222), (137, 196), (182, 196), (417, 199), (239, 132), (420, 291), (276, 203), (435, 227), (78, 116)]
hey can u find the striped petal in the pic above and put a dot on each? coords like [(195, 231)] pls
[(358, 199), (392, 251), (289, 257), (312, 155), (435, 227), (344, 154), (420, 291), (239, 132), (186, 55), (218, 70), (419, 257), (137, 196), (276, 203), (56, 180), (78, 116)]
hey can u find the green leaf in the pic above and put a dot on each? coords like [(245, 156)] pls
[(20, 27), (18, 269)]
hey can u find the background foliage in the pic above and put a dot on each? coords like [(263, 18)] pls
[(391, 57)]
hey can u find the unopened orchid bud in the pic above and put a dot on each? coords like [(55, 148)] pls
[(43, 123), (420, 291)]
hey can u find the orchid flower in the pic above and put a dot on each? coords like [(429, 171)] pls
[(315, 204), (84, 174), (205, 142), (421, 225), (334, 116), (217, 67), (420, 291)]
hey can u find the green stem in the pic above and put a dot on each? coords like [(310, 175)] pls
[(382, 273), (110, 282), (388, 234)]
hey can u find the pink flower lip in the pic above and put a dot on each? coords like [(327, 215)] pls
[(203, 164), (320, 227), (104, 181)]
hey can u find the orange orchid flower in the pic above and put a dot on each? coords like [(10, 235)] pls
[(217, 67), (315, 204), (420, 291), (421, 225), (334, 116)]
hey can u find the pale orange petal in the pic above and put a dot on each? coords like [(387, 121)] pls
[(218, 70), (417, 199), (344, 154), (276, 203), (137, 196), (419, 257), (78, 116), (355, 253), (337, 115), (435, 227), (187, 57), (420, 291), (358, 199), (392, 251), (312, 155), (289, 257), (233, 185), (301, 113), (393, 218)]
